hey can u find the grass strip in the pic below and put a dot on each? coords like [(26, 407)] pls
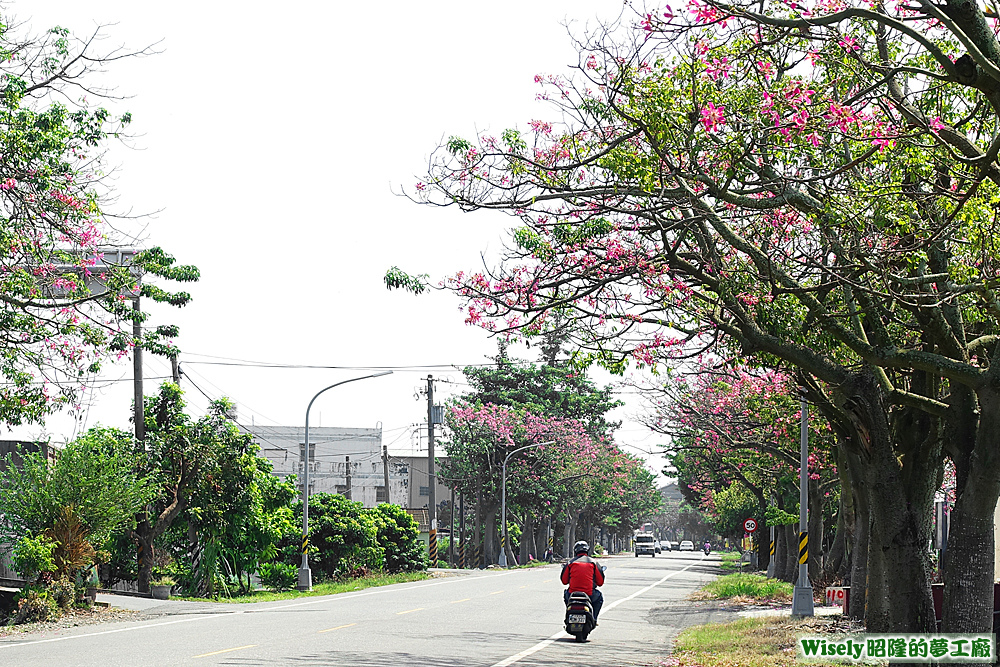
[(746, 585), (749, 642), (321, 588)]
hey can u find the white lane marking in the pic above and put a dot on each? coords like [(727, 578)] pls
[(643, 590), (110, 632), (331, 598), (534, 649), (562, 634)]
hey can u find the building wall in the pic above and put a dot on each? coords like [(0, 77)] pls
[(329, 448), (418, 492)]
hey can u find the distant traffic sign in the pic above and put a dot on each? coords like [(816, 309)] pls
[(750, 525)]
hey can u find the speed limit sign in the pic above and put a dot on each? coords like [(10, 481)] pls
[(750, 525)]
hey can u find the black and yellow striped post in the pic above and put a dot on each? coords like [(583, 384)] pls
[(803, 547), (461, 554), (432, 547), (477, 555)]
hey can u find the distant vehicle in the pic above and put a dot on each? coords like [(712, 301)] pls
[(666, 545), (659, 549), (687, 545), (645, 543)]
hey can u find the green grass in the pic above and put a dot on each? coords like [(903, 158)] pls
[(323, 588), (755, 586), (748, 642), (731, 560)]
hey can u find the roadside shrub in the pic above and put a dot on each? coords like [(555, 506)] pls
[(399, 536), (748, 585), (354, 573), (278, 576), (342, 536), (33, 556), (63, 592), (35, 604)]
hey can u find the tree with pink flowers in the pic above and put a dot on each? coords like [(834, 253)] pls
[(578, 480), (60, 315), (734, 432), (809, 185)]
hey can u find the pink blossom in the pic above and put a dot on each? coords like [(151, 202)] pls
[(712, 116)]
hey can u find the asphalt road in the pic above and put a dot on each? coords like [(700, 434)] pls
[(487, 618)]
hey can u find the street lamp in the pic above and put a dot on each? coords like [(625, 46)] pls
[(305, 574), (802, 594), (503, 498)]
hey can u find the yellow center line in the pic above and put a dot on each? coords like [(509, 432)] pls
[(545, 581), (339, 627), (227, 650), (462, 600), (409, 611), (496, 592), (522, 586)]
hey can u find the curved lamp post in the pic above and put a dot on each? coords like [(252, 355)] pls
[(503, 498), (305, 574)]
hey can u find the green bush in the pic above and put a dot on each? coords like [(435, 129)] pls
[(35, 604), (278, 576), (33, 556), (342, 537), (748, 585), (63, 592), (399, 537)]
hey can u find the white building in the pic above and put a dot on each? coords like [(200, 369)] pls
[(331, 451)]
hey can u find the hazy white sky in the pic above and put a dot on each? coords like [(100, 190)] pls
[(271, 139)]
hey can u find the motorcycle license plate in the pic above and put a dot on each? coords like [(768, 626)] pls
[(577, 618)]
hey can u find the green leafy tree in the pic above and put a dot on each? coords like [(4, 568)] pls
[(65, 308), (343, 536), (77, 500), (399, 537)]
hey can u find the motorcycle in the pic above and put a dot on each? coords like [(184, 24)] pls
[(708, 548), (579, 616)]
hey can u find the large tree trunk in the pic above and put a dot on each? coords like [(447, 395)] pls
[(816, 530), (861, 545), (143, 537), (900, 502), (792, 550), (477, 538), (780, 553), (969, 566), (491, 541)]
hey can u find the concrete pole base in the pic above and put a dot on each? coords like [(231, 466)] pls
[(305, 579), (802, 601)]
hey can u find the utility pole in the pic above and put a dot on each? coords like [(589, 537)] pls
[(461, 530), (385, 470), (802, 594), (432, 547), (347, 471), (140, 421), (451, 539), (139, 416), (175, 369)]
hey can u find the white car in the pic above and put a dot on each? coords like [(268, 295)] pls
[(687, 545)]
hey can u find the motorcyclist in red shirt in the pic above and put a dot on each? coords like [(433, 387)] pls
[(583, 575)]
